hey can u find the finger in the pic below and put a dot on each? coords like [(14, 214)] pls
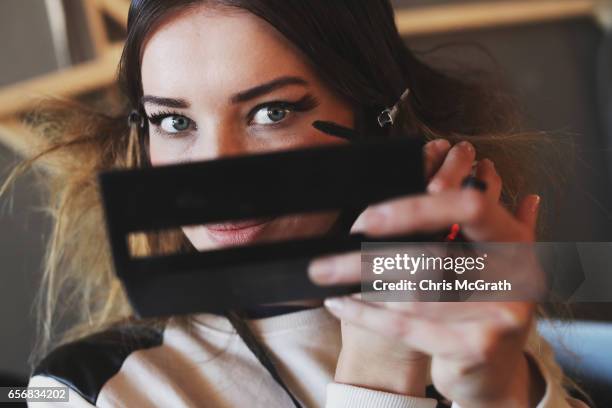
[(435, 152), (506, 313), (456, 167), (336, 269), (476, 337), (480, 219), (485, 171), (345, 268), (528, 210), (421, 334), (510, 313)]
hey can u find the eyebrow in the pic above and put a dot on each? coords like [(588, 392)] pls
[(240, 97), (266, 88), (168, 102)]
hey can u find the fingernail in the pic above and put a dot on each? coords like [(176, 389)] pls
[(359, 225), (484, 162), (441, 143), (321, 271), (535, 205), (335, 303), (437, 186), (467, 146), (372, 217)]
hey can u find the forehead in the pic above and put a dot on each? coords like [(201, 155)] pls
[(218, 50)]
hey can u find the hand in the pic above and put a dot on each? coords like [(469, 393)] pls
[(476, 349)]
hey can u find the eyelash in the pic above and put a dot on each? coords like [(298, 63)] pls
[(157, 118), (306, 103)]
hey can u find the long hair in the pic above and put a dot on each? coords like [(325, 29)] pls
[(356, 50)]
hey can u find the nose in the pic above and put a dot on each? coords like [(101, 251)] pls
[(219, 142)]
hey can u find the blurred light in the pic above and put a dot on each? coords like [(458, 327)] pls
[(59, 33)]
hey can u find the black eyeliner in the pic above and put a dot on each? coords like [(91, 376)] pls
[(334, 129), (304, 104)]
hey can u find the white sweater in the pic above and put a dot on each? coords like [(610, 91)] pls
[(208, 365)]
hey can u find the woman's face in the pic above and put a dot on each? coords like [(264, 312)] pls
[(220, 82)]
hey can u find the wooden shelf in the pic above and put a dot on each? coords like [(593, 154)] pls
[(116, 9), (79, 79), (448, 18)]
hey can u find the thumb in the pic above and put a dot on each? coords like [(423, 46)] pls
[(528, 210)]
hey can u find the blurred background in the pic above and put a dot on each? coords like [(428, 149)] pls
[(556, 55)]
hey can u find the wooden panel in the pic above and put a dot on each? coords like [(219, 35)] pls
[(68, 82), (436, 19), (116, 9), (95, 26)]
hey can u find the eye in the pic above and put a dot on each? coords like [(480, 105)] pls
[(175, 124), (276, 112), (270, 115)]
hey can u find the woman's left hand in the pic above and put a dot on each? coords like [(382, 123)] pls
[(475, 350)]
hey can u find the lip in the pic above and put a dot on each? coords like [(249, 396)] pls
[(239, 232)]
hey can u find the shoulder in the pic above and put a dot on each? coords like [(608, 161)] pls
[(87, 364), (75, 400)]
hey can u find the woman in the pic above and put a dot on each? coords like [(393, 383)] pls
[(224, 77)]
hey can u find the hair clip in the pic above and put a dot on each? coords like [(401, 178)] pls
[(388, 116), (135, 118)]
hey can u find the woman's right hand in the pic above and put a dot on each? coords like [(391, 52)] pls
[(374, 360)]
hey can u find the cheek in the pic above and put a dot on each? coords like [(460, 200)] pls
[(162, 153), (158, 154), (154, 155)]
